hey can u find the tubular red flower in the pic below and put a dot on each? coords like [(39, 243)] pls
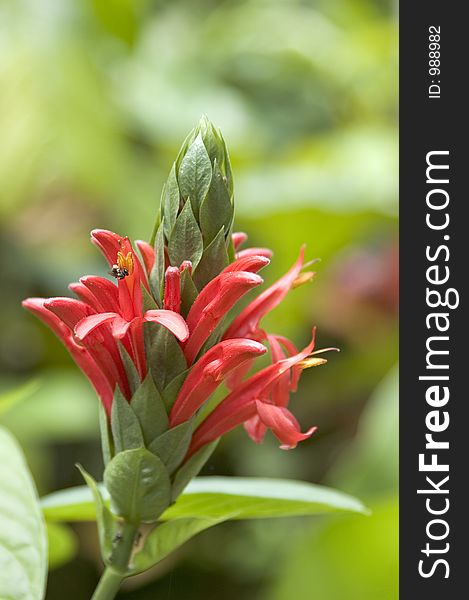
[(255, 252), (209, 372), (247, 322), (238, 237), (213, 302), (78, 352), (148, 254), (250, 264), (169, 319), (186, 264), (172, 289), (283, 424), (240, 404)]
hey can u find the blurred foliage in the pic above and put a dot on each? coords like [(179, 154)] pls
[(95, 99)]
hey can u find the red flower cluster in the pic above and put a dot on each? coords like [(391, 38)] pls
[(106, 316)]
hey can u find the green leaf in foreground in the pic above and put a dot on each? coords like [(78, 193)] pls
[(23, 541), (166, 538), (217, 497), (63, 544)]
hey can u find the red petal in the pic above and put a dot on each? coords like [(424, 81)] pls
[(238, 237), (251, 264), (172, 289), (69, 310), (148, 254), (254, 252), (281, 390), (239, 405), (108, 242), (255, 429), (248, 320), (88, 324), (104, 291), (171, 320), (120, 326), (213, 302), (283, 424), (79, 353), (209, 372)]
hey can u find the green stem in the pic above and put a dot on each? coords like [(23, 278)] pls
[(116, 572)]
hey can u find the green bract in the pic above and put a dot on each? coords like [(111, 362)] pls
[(196, 214)]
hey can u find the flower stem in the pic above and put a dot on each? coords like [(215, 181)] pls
[(116, 572)]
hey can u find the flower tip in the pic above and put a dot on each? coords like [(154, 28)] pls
[(301, 437), (33, 303)]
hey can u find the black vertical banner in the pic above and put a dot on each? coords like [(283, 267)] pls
[(434, 354)]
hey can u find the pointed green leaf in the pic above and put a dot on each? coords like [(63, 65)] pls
[(23, 541), (167, 537), (226, 168), (170, 201), (188, 292), (214, 260), (107, 524), (106, 441), (126, 430), (212, 140), (191, 468), (216, 211), (257, 498), (150, 410), (172, 446), (214, 497), (138, 484), (164, 355), (185, 242), (157, 272), (171, 391), (149, 303), (195, 174), (130, 369)]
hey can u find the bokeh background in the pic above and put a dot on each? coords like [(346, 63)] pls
[(95, 98)]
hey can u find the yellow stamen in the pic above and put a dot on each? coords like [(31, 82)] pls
[(126, 262), (309, 362), (303, 278)]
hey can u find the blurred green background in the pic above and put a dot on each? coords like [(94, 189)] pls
[(95, 98)]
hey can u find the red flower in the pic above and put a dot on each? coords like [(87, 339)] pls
[(105, 315), (108, 317), (209, 372), (259, 396)]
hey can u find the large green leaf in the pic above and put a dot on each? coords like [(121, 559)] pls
[(167, 537), (216, 497), (63, 544), (253, 498), (23, 541)]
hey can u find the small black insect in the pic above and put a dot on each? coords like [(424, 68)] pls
[(118, 273)]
